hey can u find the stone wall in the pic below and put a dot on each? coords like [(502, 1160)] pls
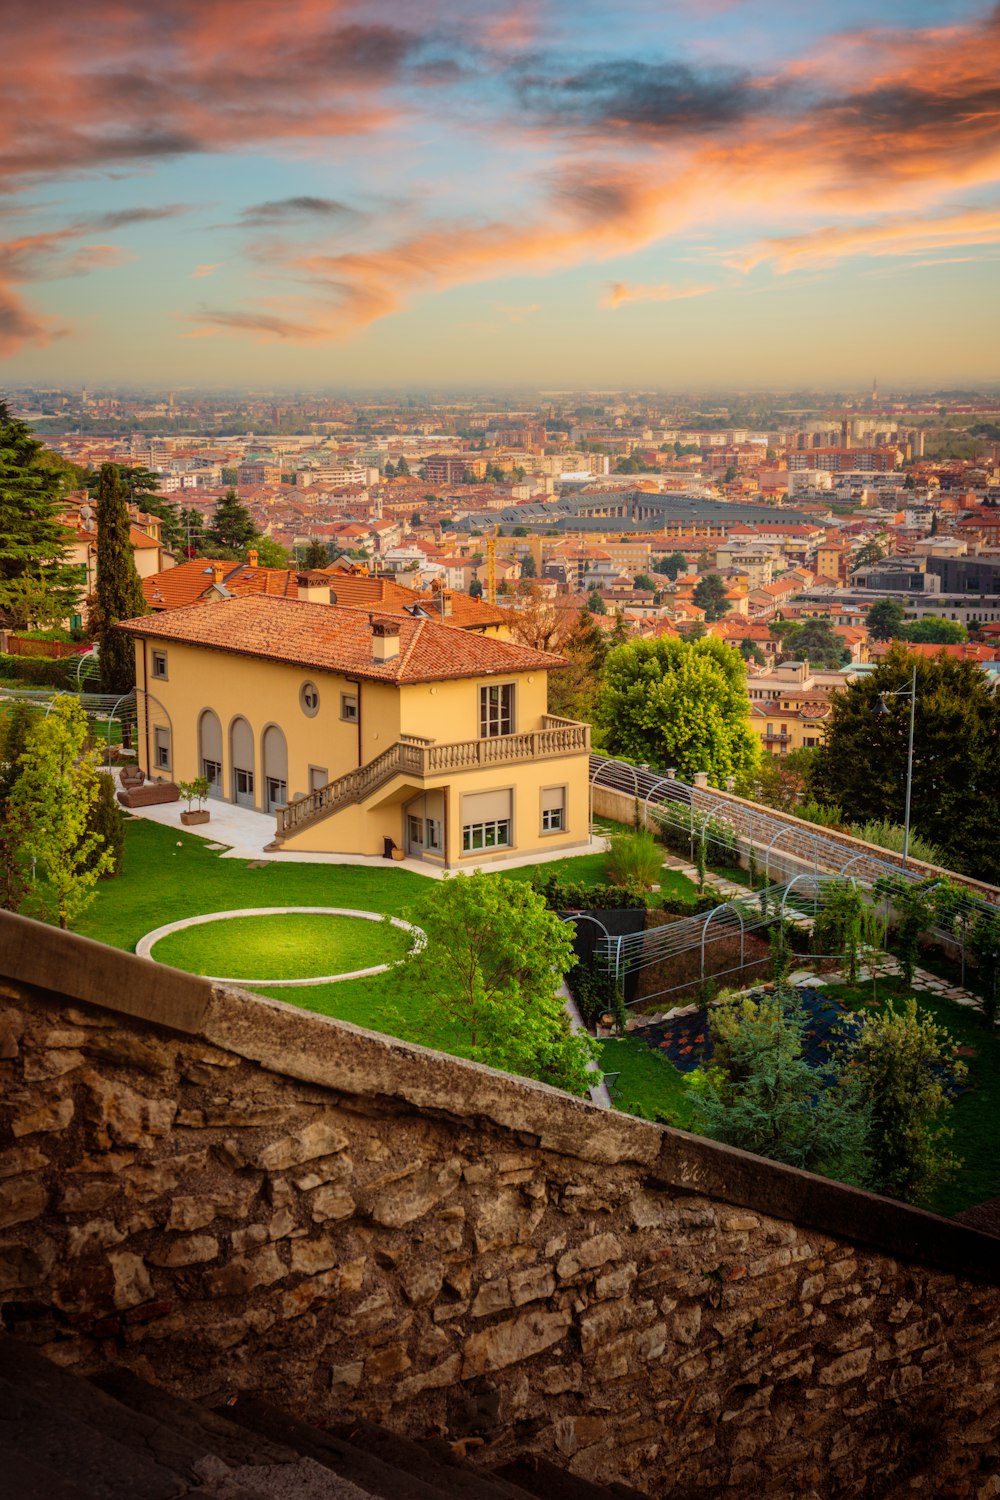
[(226, 1193)]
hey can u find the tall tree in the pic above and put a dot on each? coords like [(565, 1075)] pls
[(671, 565), (861, 766), (934, 632), (316, 555), (51, 807), (490, 974), (37, 585), (904, 1069), (232, 527), (679, 703), (710, 595), (119, 593), (884, 619)]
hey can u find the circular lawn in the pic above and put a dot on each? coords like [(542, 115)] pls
[(282, 946)]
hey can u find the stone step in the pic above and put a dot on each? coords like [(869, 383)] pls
[(435, 1462), (537, 1476), (365, 1470)]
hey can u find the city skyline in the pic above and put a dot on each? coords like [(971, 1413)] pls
[(384, 195)]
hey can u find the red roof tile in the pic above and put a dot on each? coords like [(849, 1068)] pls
[(335, 639)]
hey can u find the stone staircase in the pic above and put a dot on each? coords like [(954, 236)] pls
[(116, 1437)]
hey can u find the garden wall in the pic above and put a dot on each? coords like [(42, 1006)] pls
[(225, 1193), (796, 847)]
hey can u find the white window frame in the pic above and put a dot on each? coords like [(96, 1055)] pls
[(158, 660), (497, 833), (349, 707), (499, 717)]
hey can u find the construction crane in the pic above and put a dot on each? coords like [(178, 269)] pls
[(491, 566)]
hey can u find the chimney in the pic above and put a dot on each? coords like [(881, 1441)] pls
[(218, 572), (314, 588), (385, 639), (252, 558), (446, 602)]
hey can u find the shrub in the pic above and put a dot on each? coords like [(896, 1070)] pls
[(891, 836), (634, 859), (39, 671), (106, 820)]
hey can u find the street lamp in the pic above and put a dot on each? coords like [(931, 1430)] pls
[(882, 708)]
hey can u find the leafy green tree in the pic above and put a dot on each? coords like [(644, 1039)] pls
[(846, 927), (108, 823), (814, 640), (679, 703), (15, 729), (270, 554), (904, 1069), (402, 469), (51, 806), (119, 594), (232, 526), (710, 595), (172, 528), (761, 1095), (476, 589), (884, 619), (37, 584), (572, 691), (934, 632), (870, 553), (316, 555), (671, 565), (528, 569), (644, 582), (489, 976), (595, 604), (750, 651), (862, 764)]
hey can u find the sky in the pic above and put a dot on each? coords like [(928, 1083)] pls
[(562, 193)]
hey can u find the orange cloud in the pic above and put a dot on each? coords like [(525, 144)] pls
[(892, 236), (620, 292)]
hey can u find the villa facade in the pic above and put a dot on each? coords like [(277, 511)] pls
[(361, 732)]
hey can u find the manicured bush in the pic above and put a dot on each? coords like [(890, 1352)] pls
[(39, 671)]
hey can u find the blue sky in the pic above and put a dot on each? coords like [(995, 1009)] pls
[(572, 194)]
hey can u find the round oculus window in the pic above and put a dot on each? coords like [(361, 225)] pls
[(309, 698)]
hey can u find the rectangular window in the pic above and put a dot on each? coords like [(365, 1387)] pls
[(435, 833), (319, 777), (160, 664), (496, 709), (349, 707), (212, 772), (161, 749), (493, 835), (553, 809), (415, 829)]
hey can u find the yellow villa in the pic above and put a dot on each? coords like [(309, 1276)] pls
[(361, 732)]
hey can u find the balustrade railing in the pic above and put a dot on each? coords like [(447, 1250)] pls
[(414, 756)]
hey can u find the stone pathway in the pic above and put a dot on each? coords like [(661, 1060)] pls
[(718, 882)]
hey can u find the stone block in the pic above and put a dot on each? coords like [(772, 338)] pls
[(387, 1362), (491, 1297), (50, 1116), (22, 1199), (409, 1199), (848, 1367), (92, 1237), (440, 1377), (322, 1137), (186, 1250), (246, 1273), (534, 1284), (131, 1279), (331, 1202), (588, 1256), (508, 1343)]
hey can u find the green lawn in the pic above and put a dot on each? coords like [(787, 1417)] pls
[(649, 1084), (298, 945)]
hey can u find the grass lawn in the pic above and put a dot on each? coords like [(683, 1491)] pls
[(298, 945), (170, 874), (649, 1084)]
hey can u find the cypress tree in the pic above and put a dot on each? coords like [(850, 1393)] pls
[(37, 584), (119, 590), (107, 822)]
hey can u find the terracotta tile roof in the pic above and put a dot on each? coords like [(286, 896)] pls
[(335, 639)]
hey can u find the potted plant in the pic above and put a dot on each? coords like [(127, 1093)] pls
[(192, 792)]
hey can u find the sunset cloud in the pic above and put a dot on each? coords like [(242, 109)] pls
[(860, 144)]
